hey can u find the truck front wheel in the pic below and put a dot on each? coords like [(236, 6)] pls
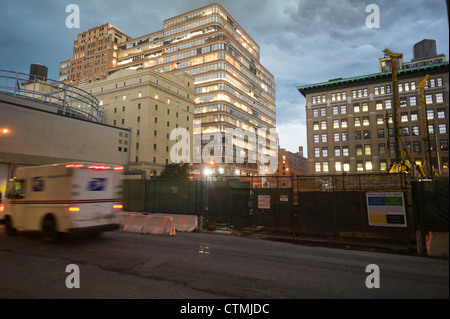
[(9, 229)]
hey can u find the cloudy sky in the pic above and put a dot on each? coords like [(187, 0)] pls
[(302, 41)]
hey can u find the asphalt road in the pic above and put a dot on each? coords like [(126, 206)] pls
[(207, 266)]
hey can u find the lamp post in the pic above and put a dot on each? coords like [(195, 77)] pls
[(205, 171)]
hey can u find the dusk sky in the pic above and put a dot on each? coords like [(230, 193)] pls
[(302, 41)]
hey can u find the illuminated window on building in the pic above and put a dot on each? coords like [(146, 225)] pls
[(346, 166), (432, 83), (317, 167), (344, 136), (345, 151), (360, 166), (383, 165), (404, 117), (359, 150), (368, 165), (315, 126), (316, 152), (367, 149), (337, 151), (316, 138), (379, 105), (382, 148), (366, 121), (439, 98), (388, 104), (380, 119), (335, 123), (336, 137)]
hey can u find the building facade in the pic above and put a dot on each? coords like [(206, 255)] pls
[(292, 164), (232, 89), (350, 121), (151, 104), (94, 54)]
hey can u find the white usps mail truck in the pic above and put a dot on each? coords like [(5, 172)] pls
[(64, 198)]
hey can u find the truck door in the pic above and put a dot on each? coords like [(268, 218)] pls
[(16, 206)]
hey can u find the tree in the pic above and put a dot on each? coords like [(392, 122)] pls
[(179, 171)]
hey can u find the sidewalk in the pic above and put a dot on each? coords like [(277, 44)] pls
[(321, 241)]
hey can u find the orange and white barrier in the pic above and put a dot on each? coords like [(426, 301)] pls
[(183, 223), (148, 224)]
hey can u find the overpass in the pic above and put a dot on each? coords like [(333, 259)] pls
[(48, 122)]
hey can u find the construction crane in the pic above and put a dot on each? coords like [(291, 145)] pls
[(404, 161), (426, 138)]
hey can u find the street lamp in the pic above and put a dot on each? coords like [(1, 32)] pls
[(4, 130)]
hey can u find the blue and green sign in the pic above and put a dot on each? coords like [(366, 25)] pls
[(386, 209)]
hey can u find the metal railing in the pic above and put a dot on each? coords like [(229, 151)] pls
[(69, 100)]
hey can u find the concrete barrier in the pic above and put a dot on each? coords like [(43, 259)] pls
[(437, 244), (148, 224)]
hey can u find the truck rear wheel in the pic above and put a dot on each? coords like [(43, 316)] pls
[(49, 233), (9, 229)]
